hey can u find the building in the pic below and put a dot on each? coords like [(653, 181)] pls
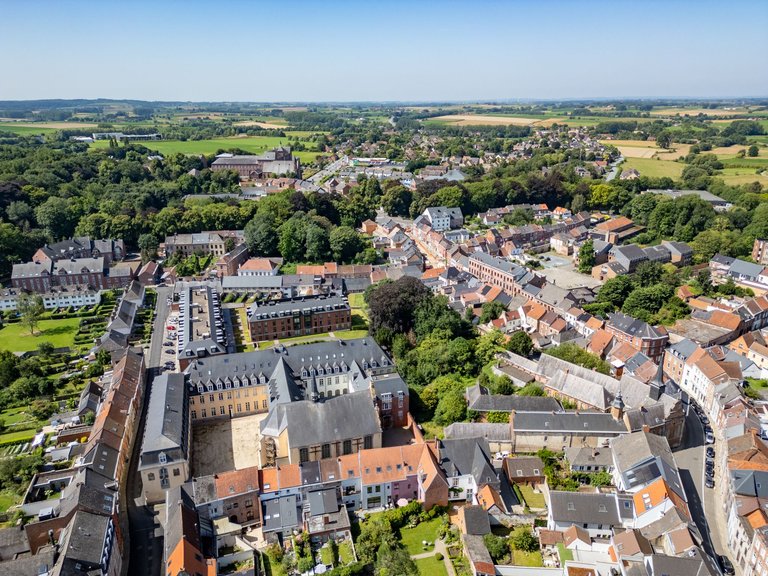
[(645, 338), (81, 247), (597, 514), (233, 494), (89, 545), (185, 550), (229, 264), (288, 318), (441, 218), (41, 276), (58, 297), (200, 243), (277, 162), (717, 203), (760, 251), (467, 466), (259, 267), (164, 457)]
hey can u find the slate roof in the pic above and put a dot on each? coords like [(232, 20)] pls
[(489, 431), (476, 520), (467, 456), (632, 326), (481, 401), (323, 502), (567, 422), (82, 542), (166, 423), (281, 513), (583, 508)]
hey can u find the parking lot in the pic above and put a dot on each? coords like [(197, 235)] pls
[(226, 444), (561, 271)]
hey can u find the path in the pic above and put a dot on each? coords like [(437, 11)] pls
[(439, 547)]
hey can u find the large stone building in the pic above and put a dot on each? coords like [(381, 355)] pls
[(42, 275), (275, 162)]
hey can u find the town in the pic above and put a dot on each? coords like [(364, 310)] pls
[(361, 332)]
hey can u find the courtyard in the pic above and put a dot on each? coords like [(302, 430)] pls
[(225, 444)]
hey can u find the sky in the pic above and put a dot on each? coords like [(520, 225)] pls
[(376, 50)]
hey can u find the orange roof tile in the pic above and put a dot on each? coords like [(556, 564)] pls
[(237, 481), (258, 265), (432, 273)]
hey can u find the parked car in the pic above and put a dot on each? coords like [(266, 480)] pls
[(710, 473), (709, 482), (726, 565), (169, 351), (710, 452), (710, 439), (705, 420)]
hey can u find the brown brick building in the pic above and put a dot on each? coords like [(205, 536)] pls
[(289, 318)]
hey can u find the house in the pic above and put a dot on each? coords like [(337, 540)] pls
[(597, 514), (581, 459), (441, 218), (259, 267), (524, 470), (185, 552), (232, 494), (277, 162), (647, 339), (630, 174), (616, 230), (467, 466), (287, 318), (473, 520)]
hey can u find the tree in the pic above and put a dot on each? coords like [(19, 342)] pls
[(345, 243), (523, 539), (30, 307), (575, 355), (616, 290), (148, 246), (752, 151), (491, 311), (488, 345), (451, 408), (587, 257), (497, 546), (649, 273), (531, 389), (56, 216), (396, 201), (644, 302), (45, 350), (261, 235), (663, 140), (292, 238), (520, 343), (392, 305), (394, 560), (317, 243)]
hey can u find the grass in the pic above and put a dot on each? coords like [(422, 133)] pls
[(654, 168), (25, 130), (357, 303), (346, 556), (565, 553), (736, 176), (7, 499), (412, 537), (13, 416), (60, 333), (532, 499), (272, 567), (326, 556), (531, 559), (253, 144), (340, 334), (432, 430), (20, 436), (431, 567)]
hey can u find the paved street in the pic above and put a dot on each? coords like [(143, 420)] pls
[(690, 462), (146, 555), (329, 170)]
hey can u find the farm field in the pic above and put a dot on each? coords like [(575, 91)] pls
[(41, 127), (60, 333), (654, 168), (253, 144), (268, 123), (735, 176), (682, 111)]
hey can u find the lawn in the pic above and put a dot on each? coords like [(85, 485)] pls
[(412, 537), (7, 499), (346, 556), (60, 333), (253, 144), (654, 168), (272, 567), (357, 303), (532, 559), (431, 567), (20, 436), (532, 499), (565, 553), (326, 556)]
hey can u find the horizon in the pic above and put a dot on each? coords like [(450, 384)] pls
[(423, 52)]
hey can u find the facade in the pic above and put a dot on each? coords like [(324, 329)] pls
[(81, 247), (289, 318), (200, 243), (275, 162), (228, 264), (233, 494), (760, 251), (441, 218), (164, 457), (60, 297), (258, 267), (41, 276), (647, 339)]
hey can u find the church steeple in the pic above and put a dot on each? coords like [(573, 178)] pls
[(657, 384)]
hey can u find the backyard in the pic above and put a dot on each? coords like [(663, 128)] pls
[(431, 566), (412, 538), (17, 338)]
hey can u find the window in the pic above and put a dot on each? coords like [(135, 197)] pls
[(368, 442), (210, 397), (247, 406), (304, 454), (194, 414), (369, 489), (347, 446), (248, 503), (151, 477), (203, 413), (176, 472), (326, 450), (221, 410), (221, 395), (264, 404)]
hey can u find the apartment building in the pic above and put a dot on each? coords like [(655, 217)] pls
[(645, 338), (288, 318)]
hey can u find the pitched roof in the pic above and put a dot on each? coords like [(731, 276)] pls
[(584, 508), (475, 520)]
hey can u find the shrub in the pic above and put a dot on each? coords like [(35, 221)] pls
[(439, 556)]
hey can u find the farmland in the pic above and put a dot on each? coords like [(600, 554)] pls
[(654, 168), (252, 144)]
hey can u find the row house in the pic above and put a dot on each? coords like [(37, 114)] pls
[(290, 318), (705, 378)]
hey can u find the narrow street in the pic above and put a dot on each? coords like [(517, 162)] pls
[(690, 462), (146, 554)]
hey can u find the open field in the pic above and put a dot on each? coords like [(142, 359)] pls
[(648, 149), (225, 444), (60, 333), (654, 168), (269, 125), (737, 176), (482, 120), (41, 127), (696, 111), (252, 144)]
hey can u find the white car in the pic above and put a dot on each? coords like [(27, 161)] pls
[(710, 439)]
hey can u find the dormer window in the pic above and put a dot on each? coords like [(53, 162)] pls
[(162, 458)]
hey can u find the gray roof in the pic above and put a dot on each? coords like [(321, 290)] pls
[(496, 262), (632, 326), (82, 543), (662, 565), (588, 423), (582, 389), (585, 456), (251, 282), (287, 307), (459, 457), (631, 252), (167, 428), (323, 502), (29, 565), (703, 194), (584, 508), (31, 269), (744, 268), (491, 432), (476, 520), (181, 519), (750, 483), (338, 418), (484, 402), (642, 457), (281, 514), (77, 265)]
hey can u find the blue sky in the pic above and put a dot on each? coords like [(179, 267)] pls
[(336, 50)]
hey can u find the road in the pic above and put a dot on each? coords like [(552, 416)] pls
[(329, 170), (146, 556), (690, 462)]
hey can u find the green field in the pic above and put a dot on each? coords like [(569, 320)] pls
[(654, 168), (11, 127), (412, 537), (340, 334), (7, 499), (20, 436), (532, 559), (737, 176), (431, 567), (60, 333), (253, 144)]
